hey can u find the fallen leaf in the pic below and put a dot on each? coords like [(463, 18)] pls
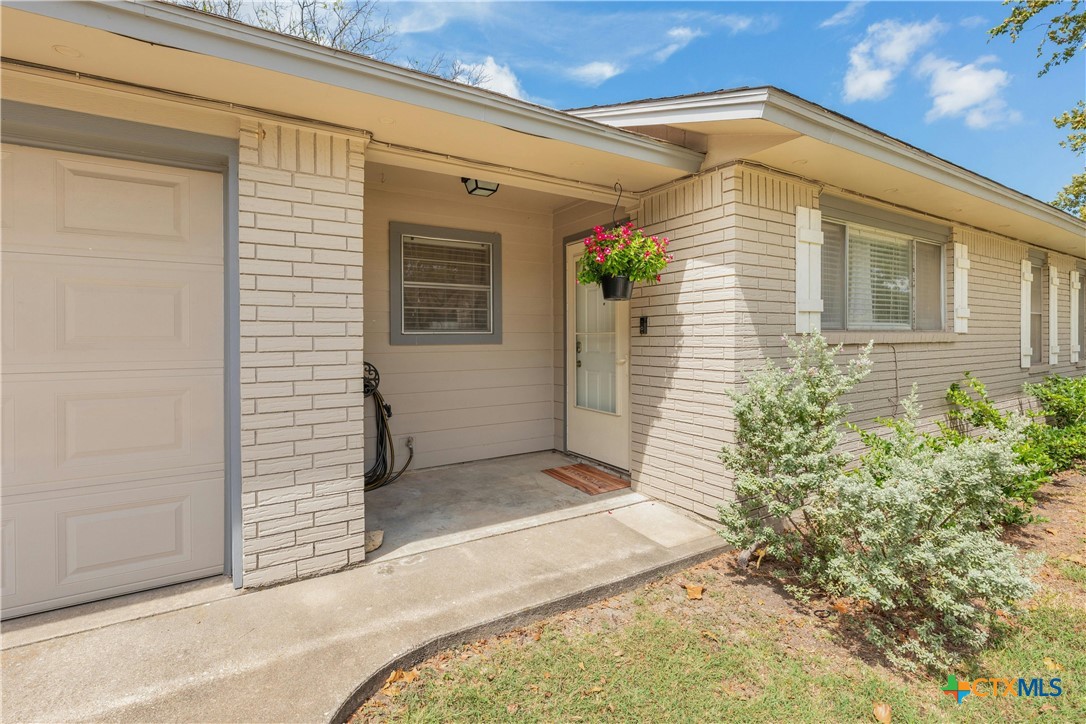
[(881, 710), (396, 675), (710, 635), (580, 665), (537, 635), (693, 593), (1051, 531), (410, 676), (841, 605), (512, 708), (1052, 665), (760, 553), (593, 690), (546, 674)]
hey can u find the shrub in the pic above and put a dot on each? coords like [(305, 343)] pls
[(909, 535), (970, 412), (919, 545), (1063, 405), (789, 428)]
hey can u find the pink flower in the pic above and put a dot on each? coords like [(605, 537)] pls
[(657, 277)]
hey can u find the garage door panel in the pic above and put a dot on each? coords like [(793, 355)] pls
[(88, 546), (88, 206), (111, 413), (130, 203), (119, 313), (73, 431)]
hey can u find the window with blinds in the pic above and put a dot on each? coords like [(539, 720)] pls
[(446, 286), (873, 279)]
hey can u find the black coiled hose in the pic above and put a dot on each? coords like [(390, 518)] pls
[(383, 471)]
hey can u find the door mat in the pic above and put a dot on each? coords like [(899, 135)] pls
[(587, 479)]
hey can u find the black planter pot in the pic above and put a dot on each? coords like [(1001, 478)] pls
[(616, 289)]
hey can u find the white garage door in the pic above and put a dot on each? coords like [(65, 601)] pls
[(112, 377)]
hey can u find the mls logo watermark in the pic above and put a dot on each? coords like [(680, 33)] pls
[(983, 688)]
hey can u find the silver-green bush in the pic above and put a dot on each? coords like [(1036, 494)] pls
[(909, 535)]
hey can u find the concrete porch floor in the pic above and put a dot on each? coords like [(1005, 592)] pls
[(300, 652), (438, 507)]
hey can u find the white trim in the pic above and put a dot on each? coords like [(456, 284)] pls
[(809, 240), (1053, 314), (961, 288), (1025, 348), (1076, 341)]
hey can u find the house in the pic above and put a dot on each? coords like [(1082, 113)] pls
[(207, 227)]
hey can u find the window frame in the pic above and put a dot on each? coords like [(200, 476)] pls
[(397, 334), (913, 240), (1081, 314), (1038, 310)]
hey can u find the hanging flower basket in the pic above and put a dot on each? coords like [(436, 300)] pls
[(616, 258)]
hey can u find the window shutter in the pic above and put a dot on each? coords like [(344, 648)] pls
[(961, 288), (1027, 293), (1076, 341), (1053, 315), (808, 269)]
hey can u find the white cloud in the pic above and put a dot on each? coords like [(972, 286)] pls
[(498, 78), (973, 21), (845, 15), (883, 53), (972, 92), (431, 16), (680, 37), (595, 73)]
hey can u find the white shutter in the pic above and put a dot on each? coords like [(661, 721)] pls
[(1053, 315), (808, 269), (1027, 280), (1076, 341), (961, 288)]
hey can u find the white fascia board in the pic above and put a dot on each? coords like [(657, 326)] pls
[(731, 106), (175, 27)]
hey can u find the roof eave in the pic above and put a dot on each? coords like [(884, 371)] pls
[(792, 112), (175, 27)]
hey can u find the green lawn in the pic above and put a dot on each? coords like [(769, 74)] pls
[(745, 653)]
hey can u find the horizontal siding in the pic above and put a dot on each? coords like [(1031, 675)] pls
[(466, 402)]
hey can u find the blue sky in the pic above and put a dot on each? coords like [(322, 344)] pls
[(924, 72)]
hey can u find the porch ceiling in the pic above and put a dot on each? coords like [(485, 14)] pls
[(402, 179), (167, 48)]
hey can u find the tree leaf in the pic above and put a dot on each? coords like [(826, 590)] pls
[(694, 593)]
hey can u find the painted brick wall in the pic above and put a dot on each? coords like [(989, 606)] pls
[(728, 301), (301, 351)]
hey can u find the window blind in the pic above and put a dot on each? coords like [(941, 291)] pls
[(834, 275), (879, 280), (446, 285)]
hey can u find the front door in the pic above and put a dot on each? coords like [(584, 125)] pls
[(597, 371)]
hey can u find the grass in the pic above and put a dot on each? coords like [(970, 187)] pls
[(746, 652)]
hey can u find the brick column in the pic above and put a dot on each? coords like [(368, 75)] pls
[(301, 351)]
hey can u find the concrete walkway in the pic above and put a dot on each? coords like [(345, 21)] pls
[(300, 652)]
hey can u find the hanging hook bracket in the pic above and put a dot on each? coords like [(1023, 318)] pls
[(614, 213)]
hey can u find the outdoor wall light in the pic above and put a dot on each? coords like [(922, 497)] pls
[(476, 187)]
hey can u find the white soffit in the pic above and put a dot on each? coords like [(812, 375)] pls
[(165, 47)]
